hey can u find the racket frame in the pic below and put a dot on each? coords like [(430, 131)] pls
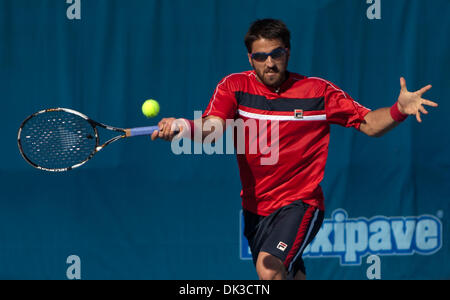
[(124, 134)]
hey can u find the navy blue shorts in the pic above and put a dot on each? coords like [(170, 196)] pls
[(284, 234)]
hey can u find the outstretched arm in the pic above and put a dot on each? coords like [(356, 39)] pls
[(381, 121)]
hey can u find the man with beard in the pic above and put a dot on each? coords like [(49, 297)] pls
[(283, 203)]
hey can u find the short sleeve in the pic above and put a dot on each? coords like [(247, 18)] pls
[(341, 109), (223, 102)]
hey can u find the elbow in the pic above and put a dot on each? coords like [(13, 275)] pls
[(375, 133), (372, 132)]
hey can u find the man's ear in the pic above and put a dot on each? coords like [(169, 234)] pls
[(250, 59)]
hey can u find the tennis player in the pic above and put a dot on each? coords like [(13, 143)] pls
[(283, 203)]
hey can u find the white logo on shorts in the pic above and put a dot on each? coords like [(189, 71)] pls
[(282, 246)]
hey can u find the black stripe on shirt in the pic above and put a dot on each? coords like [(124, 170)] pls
[(280, 104)]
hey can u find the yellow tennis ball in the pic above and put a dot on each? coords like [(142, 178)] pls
[(150, 108)]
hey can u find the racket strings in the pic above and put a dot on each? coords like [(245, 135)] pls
[(56, 140)]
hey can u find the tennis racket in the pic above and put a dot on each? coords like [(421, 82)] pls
[(61, 139)]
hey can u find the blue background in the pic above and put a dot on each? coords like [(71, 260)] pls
[(137, 211)]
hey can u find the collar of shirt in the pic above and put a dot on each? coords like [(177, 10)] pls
[(281, 89)]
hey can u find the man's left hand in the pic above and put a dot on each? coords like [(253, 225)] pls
[(411, 103)]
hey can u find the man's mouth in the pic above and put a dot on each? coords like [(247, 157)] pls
[(271, 72)]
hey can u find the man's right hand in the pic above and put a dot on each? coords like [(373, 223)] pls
[(169, 128)]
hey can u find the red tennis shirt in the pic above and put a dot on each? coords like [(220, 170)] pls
[(291, 137)]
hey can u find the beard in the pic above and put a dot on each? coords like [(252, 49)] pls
[(272, 77)]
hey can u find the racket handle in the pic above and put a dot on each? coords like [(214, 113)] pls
[(141, 131)]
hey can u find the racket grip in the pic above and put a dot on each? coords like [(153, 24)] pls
[(141, 131)]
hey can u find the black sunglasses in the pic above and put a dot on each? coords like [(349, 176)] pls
[(276, 54)]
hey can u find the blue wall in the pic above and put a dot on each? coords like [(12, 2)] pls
[(137, 211)]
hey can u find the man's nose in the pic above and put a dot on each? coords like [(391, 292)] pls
[(269, 61)]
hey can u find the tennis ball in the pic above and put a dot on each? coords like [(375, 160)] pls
[(150, 108)]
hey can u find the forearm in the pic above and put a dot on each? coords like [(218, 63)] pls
[(206, 130), (378, 122), (203, 130)]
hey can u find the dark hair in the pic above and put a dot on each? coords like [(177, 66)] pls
[(268, 29)]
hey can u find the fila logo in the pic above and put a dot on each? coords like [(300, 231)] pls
[(281, 246), (298, 113)]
